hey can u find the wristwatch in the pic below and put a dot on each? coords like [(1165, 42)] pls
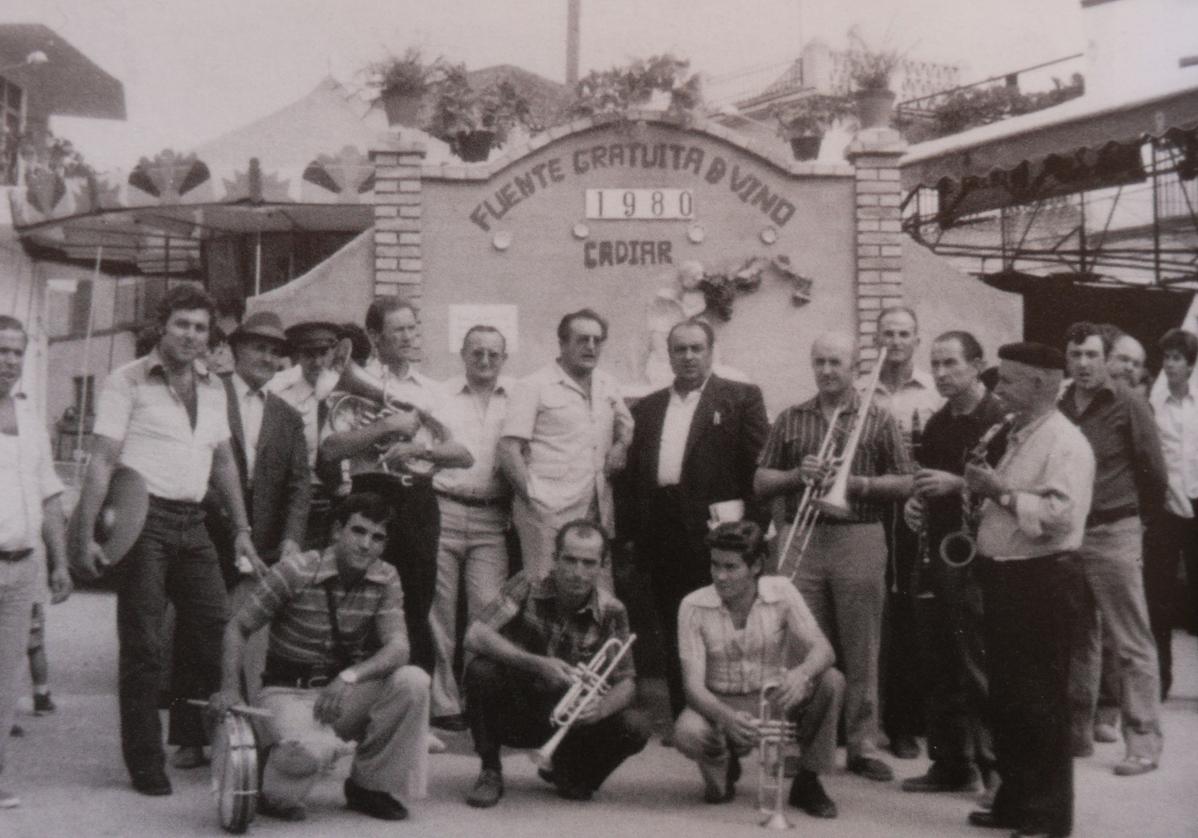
[(349, 676)]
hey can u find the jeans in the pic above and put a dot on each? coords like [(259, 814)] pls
[(18, 589), (473, 546), (173, 558), (1108, 587), (507, 706)]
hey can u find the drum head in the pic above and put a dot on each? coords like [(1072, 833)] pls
[(235, 772)]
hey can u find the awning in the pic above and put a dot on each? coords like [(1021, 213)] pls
[(68, 83), (1079, 129)]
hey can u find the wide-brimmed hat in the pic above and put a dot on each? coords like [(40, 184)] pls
[(313, 333), (260, 324)]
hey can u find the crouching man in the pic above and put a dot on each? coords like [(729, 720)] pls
[(336, 672), (736, 636), (527, 644)]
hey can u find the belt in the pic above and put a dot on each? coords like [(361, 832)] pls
[(1109, 516), (478, 503), (15, 555), (300, 676), (182, 508)]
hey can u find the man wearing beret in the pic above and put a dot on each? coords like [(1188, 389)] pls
[(306, 386), (1032, 520)]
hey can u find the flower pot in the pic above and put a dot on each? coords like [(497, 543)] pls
[(874, 107), (402, 108), (805, 147), (473, 146)]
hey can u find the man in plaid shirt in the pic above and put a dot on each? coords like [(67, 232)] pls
[(527, 644)]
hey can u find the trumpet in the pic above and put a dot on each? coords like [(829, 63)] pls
[(778, 749), (832, 500), (590, 685), (958, 548)]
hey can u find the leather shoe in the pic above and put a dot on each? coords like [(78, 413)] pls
[(988, 820), (1105, 733), (281, 811), (807, 793), (1023, 833), (939, 778), (728, 792), (1134, 766), (488, 788), (377, 804), (189, 756), (904, 747), (870, 768), (574, 791), (152, 782), (454, 724)]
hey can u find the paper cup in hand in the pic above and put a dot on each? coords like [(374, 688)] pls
[(724, 512)]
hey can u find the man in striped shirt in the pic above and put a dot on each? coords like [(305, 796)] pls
[(337, 670), (842, 573)]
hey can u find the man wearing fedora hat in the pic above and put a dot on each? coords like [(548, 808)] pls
[(268, 443), (306, 386)]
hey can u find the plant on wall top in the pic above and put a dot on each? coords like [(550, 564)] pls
[(408, 74), (869, 68), (812, 115), (458, 109), (620, 89)]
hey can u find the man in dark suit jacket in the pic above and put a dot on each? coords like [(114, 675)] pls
[(694, 444)]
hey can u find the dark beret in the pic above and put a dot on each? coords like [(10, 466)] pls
[(313, 333), (1033, 354)]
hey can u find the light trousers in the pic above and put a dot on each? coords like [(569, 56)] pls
[(18, 589)]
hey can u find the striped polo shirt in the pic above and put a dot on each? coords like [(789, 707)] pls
[(799, 431), (526, 612), (291, 598)]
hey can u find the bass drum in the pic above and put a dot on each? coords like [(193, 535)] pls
[(235, 772)]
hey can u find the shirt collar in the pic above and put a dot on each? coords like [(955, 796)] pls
[(697, 392), (919, 378), (1106, 391), (546, 588), (458, 385), (850, 406), (708, 598), (154, 365), (327, 569), (242, 388)]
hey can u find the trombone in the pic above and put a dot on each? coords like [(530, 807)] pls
[(590, 685), (830, 499), (778, 749)]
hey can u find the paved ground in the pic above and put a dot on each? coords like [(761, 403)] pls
[(68, 772)]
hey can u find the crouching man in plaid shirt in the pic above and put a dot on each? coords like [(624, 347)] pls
[(336, 671)]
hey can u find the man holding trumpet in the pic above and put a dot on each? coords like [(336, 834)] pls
[(528, 645), (839, 562), (734, 637)]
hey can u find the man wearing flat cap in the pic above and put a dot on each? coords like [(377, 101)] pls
[(267, 437), (1032, 520), (305, 386)]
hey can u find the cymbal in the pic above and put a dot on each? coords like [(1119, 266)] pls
[(121, 518)]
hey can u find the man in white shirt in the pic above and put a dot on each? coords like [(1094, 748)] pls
[(567, 431), (30, 515), (1174, 537), (475, 506), (165, 416)]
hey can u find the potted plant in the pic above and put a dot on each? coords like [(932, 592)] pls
[(870, 74), (805, 123), (401, 82), (474, 123), (622, 88)]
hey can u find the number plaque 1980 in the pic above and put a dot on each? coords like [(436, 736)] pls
[(640, 204)]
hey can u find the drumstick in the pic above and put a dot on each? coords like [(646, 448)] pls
[(240, 709)]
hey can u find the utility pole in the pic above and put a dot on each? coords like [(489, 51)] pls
[(573, 16)]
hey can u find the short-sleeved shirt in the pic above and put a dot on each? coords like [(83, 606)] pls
[(27, 472), (415, 389), (736, 661), (478, 428), (917, 396), (1177, 423), (291, 599), (526, 612), (568, 436), (799, 431), (139, 409)]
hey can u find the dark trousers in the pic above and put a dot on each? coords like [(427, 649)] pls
[(507, 706), (172, 559), (320, 519), (412, 550), (678, 563), (902, 692), (951, 656), (1028, 629), (1169, 541)]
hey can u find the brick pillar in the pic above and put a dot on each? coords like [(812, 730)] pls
[(875, 154), (398, 207)]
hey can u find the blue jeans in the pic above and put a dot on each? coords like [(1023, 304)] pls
[(18, 585), (174, 558)]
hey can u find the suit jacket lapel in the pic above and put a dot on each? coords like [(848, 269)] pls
[(655, 415), (704, 415), (235, 428)]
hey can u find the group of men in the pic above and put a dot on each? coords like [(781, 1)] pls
[(343, 546)]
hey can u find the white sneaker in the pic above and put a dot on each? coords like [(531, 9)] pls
[(436, 745), (8, 800)]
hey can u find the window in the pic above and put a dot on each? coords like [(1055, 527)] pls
[(12, 100)]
